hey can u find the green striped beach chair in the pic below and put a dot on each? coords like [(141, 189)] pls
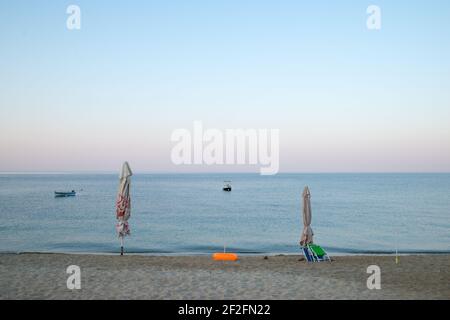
[(317, 253)]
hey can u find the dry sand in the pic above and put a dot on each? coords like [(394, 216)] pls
[(43, 276)]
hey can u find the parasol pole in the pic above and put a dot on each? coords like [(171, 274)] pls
[(121, 245)]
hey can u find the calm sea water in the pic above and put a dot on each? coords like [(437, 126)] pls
[(189, 213)]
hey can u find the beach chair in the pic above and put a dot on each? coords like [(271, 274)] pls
[(307, 254), (318, 253)]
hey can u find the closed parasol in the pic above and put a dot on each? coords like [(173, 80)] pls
[(307, 234), (123, 204)]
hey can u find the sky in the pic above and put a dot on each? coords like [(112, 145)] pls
[(345, 98)]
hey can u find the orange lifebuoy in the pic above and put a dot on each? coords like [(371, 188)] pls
[(225, 256)]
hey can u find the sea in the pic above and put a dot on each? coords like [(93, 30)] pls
[(176, 214)]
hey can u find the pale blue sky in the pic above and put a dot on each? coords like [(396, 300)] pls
[(344, 98)]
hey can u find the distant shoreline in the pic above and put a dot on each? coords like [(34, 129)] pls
[(245, 254)]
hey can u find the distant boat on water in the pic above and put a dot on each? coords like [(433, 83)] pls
[(65, 193), (226, 186)]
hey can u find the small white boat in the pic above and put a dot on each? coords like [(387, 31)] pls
[(226, 186)]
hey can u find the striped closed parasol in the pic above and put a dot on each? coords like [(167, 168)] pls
[(123, 204)]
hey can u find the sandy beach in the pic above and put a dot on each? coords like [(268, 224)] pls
[(43, 276)]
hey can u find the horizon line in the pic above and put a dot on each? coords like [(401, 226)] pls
[(218, 172)]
